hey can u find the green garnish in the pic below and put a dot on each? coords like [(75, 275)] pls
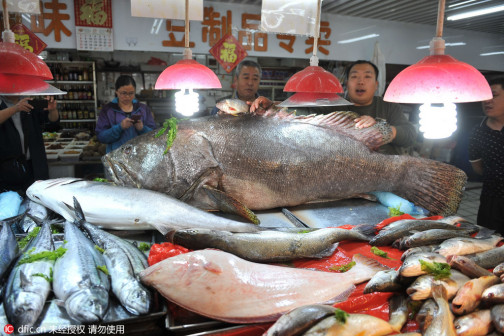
[(47, 255), (379, 253), (343, 268), (56, 229), (42, 275), (169, 125), (439, 270), (395, 211), (340, 315), (103, 269), (23, 242), (100, 179), (305, 231), (99, 249), (144, 247)]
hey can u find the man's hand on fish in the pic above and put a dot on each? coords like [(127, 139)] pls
[(364, 121), (260, 105)]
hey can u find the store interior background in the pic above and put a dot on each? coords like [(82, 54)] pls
[(276, 72)]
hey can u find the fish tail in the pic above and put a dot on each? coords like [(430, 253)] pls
[(433, 185), (366, 267)]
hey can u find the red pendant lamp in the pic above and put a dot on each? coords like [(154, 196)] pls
[(438, 79), (22, 73), (314, 86)]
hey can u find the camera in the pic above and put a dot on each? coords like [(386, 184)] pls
[(39, 104)]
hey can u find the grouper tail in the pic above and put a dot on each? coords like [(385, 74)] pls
[(433, 185)]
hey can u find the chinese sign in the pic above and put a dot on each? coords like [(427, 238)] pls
[(228, 52), (26, 39), (93, 13), (93, 25)]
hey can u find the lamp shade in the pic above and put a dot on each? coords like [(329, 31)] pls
[(438, 79), (313, 79), (314, 99), (18, 61), (23, 85), (185, 74)]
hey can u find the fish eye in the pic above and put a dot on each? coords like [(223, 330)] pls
[(128, 149)]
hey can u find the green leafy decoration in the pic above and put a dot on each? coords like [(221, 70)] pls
[(343, 268), (341, 315), (437, 269), (23, 242), (144, 247), (101, 179), (103, 269), (395, 211), (379, 253), (44, 255), (169, 125), (99, 249), (42, 275)]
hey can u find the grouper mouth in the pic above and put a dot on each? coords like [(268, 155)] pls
[(119, 173)]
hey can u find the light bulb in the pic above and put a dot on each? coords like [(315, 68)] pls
[(186, 102), (437, 122)]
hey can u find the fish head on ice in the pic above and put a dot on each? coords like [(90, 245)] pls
[(26, 308), (87, 305), (146, 162), (137, 299)]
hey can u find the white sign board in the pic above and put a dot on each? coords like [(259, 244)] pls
[(167, 9)]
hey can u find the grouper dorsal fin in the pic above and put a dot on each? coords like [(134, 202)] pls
[(342, 122)]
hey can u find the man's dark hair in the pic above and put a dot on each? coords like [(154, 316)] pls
[(248, 63), (361, 62), (496, 81), (124, 80)]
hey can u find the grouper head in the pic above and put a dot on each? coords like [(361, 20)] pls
[(179, 170)]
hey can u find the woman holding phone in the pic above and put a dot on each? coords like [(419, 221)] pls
[(124, 117), (22, 154)]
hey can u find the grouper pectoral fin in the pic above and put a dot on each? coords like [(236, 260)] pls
[(228, 204)]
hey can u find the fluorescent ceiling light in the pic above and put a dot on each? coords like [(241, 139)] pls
[(359, 38), (453, 44), (460, 3), (493, 53), (478, 12)]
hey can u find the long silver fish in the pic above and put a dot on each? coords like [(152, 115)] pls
[(267, 246), (124, 263), (29, 283), (222, 286), (9, 249), (386, 237), (434, 236), (124, 208), (299, 320), (490, 258), (285, 161), (466, 245), (78, 280), (451, 220)]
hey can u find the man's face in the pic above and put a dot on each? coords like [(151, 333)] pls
[(362, 84), (247, 83), (495, 106)]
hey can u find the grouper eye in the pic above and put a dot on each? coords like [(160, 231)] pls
[(128, 149)]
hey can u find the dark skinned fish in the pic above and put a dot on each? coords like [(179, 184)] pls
[(267, 246), (281, 161), (490, 258), (467, 266), (299, 320)]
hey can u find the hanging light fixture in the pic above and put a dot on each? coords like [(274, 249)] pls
[(186, 75), (22, 73), (313, 85), (441, 80)]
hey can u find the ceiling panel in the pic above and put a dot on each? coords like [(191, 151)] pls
[(413, 11)]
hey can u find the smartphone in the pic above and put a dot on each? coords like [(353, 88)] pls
[(136, 117), (39, 104)]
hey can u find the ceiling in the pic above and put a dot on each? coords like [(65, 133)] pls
[(413, 11)]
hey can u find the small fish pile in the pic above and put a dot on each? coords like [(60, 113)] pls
[(81, 272)]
